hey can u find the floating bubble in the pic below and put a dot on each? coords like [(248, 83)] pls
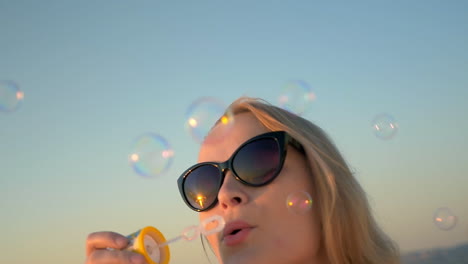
[(384, 126), (151, 155), (296, 97), (299, 202), (10, 96), (444, 218), (203, 114)]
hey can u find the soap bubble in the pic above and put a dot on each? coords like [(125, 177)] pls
[(444, 218), (296, 97), (10, 96), (151, 155), (384, 126), (203, 114), (299, 202)]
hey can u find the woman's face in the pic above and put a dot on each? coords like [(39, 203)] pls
[(270, 232)]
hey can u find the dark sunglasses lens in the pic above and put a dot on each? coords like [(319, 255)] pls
[(258, 162), (201, 186)]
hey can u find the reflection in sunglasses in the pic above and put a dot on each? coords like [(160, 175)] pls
[(201, 199)]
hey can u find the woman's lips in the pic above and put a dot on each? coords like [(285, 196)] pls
[(237, 238), (236, 232)]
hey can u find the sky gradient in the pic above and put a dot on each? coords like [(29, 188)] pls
[(98, 74)]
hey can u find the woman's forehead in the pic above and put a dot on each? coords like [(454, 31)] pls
[(245, 127)]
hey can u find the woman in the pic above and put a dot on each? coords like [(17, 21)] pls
[(247, 177)]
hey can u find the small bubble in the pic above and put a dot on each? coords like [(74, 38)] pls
[(384, 126), (444, 218), (151, 155), (203, 114), (296, 97), (299, 202), (10, 96)]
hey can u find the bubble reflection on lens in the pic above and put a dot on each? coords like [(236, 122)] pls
[(299, 202), (384, 126), (296, 97), (151, 155), (10, 96), (203, 114), (444, 218)]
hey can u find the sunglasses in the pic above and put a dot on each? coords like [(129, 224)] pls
[(255, 163)]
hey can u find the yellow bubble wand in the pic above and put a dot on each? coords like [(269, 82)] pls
[(151, 243)]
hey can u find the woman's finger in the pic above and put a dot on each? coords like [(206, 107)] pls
[(102, 240), (104, 256)]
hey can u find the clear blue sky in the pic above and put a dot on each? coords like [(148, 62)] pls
[(97, 74)]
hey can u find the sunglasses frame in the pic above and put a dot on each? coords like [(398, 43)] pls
[(282, 138)]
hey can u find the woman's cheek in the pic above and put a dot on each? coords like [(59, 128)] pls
[(214, 242)]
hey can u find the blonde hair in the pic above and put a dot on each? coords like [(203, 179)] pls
[(350, 232)]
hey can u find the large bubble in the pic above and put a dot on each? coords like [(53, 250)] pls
[(10, 96), (384, 126), (203, 114), (299, 202), (444, 218), (296, 97), (151, 155)]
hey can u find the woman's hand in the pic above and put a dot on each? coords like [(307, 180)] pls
[(106, 248)]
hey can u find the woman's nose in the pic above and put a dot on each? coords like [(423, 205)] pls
[(232, 192)]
